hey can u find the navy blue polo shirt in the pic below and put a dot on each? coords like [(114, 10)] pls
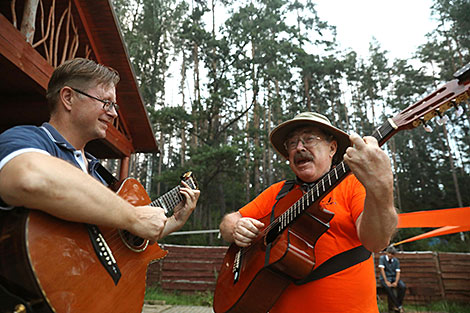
[(45, 139)]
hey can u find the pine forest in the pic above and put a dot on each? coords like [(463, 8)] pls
[(239, 68)]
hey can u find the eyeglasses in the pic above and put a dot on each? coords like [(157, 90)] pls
[(308, 141), (108, 105)]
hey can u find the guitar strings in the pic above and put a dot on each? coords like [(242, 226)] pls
[(171, 199), (303, 203)]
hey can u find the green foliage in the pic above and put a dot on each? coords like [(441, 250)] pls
[(267, 62)]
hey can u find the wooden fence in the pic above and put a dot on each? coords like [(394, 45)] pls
[(428, 275)]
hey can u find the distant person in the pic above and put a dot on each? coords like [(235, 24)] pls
[(390, 278)]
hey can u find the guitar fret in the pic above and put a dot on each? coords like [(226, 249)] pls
[(378, 132), (336, 173), (162, 204), (165, 200), (175, 196)]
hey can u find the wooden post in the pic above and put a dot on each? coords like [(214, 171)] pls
[(29, 20), (124, 170), (439, 275)]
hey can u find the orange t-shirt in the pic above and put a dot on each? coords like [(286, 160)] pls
[(351, 290)]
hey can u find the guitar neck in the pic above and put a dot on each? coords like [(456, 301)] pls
[(323, 187), (172, 198), (168, 201)]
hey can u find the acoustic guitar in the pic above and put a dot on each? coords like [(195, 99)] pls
[(52, 265), (251, 279)]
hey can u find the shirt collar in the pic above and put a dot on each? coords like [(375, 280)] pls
[(59, 140)]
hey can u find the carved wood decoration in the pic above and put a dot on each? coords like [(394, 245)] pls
[(58, 36)]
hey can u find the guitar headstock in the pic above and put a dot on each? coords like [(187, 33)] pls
[(437, 103), (189, 179)]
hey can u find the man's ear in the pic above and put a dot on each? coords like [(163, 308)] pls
[(66, 95), (333, 148)]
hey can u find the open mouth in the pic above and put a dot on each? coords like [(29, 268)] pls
[(302, 161), (302, 158)]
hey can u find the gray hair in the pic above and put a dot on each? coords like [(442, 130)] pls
[(79, 73)]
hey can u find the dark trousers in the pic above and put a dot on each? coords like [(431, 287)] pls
[(397, 300)]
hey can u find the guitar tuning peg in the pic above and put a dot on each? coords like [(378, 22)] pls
[(441, 120), (459, 111), (427, 128)]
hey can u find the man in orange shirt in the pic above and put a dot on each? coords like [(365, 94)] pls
[(362, 204)]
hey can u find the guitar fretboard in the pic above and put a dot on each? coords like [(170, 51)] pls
[(172, 198)]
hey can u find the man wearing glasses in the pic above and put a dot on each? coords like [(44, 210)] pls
[(46, 168), (362, 204)]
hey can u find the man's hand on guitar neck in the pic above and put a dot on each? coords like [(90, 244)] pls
[(240, 230), (183, 210)]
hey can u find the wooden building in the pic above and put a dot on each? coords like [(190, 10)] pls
[(38, 35)]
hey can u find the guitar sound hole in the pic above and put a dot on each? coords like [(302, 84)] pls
[(133, 242)]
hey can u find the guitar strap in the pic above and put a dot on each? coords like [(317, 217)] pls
[(107, 176), (288, 185), (337, 263), (331, 266)]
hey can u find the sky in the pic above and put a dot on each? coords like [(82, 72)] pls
[(398, 25)]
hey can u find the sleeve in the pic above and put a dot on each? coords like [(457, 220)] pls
[(398, 266), (357, 196), (21, 139), (382, 261), (263, 203)]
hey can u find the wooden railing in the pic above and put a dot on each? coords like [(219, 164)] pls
[(429, 276)]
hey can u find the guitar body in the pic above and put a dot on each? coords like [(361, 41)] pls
[(51, 263), (262, 277)]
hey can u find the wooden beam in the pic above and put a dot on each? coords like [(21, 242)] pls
[(16, 50), (119, 141)]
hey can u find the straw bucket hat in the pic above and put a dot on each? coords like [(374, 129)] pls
[(279, 134)]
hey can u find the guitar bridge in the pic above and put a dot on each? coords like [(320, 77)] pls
[(103, 252)]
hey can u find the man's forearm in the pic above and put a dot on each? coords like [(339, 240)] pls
[(377, 222), (227, 225), (58, 188)]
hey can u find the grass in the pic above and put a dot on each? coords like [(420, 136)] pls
[(435, 307), (203, 298)]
